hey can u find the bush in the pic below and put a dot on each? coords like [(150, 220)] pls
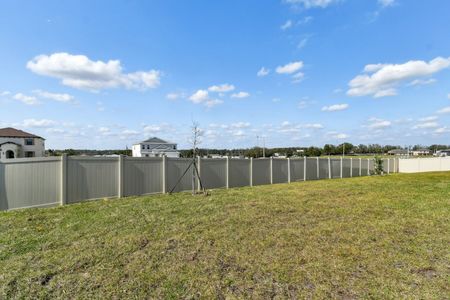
[(378, 166)]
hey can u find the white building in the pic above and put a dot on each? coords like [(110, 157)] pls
[(154, 147), (16, 143)]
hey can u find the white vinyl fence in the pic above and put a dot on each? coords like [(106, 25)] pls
[(432, 164), (40, 182)]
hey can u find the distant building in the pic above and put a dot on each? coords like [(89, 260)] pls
[(154, 147), (420, 152), (442, 153), (398, 152), (15, 143)]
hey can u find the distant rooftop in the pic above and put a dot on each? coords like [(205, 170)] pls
[(156, 140), (16, 133)]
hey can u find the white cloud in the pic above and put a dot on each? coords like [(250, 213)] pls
[(66, 98), (5, 93), (448, 96), (441, 130), (382, 80), (286, 25), (78, 71), (223, 88), (212, 102), (386, 3), (42, 123), (305, 20), (312, 3), (444, 110), (199, 96), (298, 77), (313, 126), (340, 136), (422, 82), (175, 96), (379, 124), (240, 95), (263, 72), (240, 125), (335, 107), (428, 119), (426, 125), (290, 67), (28, 100)]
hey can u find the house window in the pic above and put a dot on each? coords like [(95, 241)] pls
[(29, 154), (29, 142), (143, 147), (148, 146)]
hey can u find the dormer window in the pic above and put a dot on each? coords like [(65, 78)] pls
[(29, 142)]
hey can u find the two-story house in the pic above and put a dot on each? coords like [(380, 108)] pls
[(16, 143), (154, 147)]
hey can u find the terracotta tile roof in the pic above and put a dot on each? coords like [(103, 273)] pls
[(12, 132)]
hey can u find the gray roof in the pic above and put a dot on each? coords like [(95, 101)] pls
[(156, 140), (398, 151)]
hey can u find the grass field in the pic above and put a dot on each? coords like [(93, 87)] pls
[(372, 237)]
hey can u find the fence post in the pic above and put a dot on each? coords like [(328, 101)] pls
[(318, 174), (227, 171), (368, 167), (351, 166), (329, 167), (271, 170), (164, 174), (199, 159), (251, 171), (289, 169), (395, 165), (389, 163), (304, 168), (342, 162), (63, 199), (360, 166), (120, 177)]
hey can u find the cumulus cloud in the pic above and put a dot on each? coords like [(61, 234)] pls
[(445, 110), (240, 95), (66, 98), (381, 80), (212, 102), (340, 136), (290, 68), (335, 107), (175, 96), (28, 100), (312, 3), (378, 124), (263, 72), (428, 119), (426, 125), (199, 96), (417, 82), (442, 130), (298, 77), (223, 88), (78, 71), (288, 24)]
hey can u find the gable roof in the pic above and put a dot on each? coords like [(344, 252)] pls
[(16, 133), (156, 141)]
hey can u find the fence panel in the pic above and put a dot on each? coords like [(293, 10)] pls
[(335, 164), (261, 171), (346, 168), (213, 173), (311, 168), (239, 172), (355, 167), (91, 178), (297, 169), (323, 169), (280, 170), (30, 183), (364, 167), (371, 166), (142, 175), (391, 165), (175, 168)]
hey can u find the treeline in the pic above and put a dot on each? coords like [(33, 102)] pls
[(89, 152), (328, 149)]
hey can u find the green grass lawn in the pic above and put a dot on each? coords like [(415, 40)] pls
[(371, 237)]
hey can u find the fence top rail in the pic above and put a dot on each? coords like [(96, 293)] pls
[(103, 158), (30, 159), (143, 158)]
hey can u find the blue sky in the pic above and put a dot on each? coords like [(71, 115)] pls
[(104, 74)]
